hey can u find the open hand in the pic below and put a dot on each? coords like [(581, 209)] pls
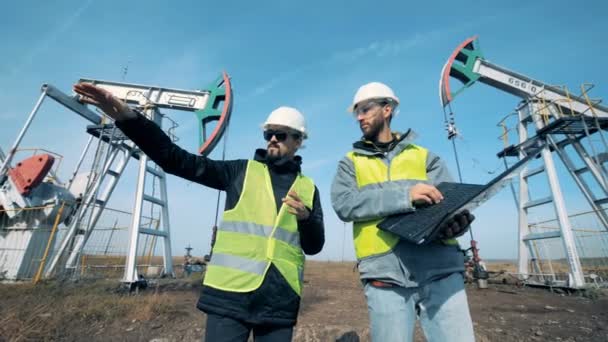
[(295, 206), (104, 100), (456, 225), (425, 194)]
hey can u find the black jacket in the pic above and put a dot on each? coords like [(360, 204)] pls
[(274, 302)]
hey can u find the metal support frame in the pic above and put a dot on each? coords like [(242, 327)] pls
[(93, 206), (565, 233), (131, 275), (524, 228), (95, 198), (98, 201), (580, 181), (561, 110), (11, 153), (576, 278)]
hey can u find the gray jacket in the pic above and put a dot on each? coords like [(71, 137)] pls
[(407, 265)]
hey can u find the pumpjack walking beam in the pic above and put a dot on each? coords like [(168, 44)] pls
[(474, 68)]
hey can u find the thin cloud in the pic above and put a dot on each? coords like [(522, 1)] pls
[(377, 48), (380, 48), (49, 39)]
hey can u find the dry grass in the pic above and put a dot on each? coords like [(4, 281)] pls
[(17, 325), (60, 309), (333, 308), (151, 306)]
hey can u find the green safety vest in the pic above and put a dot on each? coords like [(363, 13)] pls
[(409, 164), (253, 235)]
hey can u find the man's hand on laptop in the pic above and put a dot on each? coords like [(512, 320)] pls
[(457, 225), (425, 194)]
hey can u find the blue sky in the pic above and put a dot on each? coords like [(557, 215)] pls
[(312, 55)]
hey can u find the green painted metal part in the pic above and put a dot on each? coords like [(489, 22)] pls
[(463, 71), (210, 113)]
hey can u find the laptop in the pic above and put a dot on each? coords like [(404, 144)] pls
[(422, 225)]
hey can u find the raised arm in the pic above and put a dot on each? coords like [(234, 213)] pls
[(157, 145)]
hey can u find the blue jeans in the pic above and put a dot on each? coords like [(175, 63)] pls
[(441, 306)]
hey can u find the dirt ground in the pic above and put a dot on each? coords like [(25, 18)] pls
[(333, 309)]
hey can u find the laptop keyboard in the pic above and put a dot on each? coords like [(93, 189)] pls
[(422, 223)]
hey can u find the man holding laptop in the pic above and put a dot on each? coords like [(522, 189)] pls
[(386, 174)]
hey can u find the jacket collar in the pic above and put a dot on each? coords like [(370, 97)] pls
[(402, 141)]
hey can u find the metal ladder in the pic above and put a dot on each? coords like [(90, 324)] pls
[(95, 198), (213, 104), (131, 275)]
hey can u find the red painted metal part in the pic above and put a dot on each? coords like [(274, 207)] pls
[(29, 173), (476, 256), (446, 95), (222, 123)]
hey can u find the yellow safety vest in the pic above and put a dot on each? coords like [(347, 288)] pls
[(253, 235), (410, 164)]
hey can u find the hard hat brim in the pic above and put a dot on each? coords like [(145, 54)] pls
[(351, 108)]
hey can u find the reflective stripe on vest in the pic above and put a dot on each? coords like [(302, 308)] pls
[(410, 164), (292, 238), (253, 235)]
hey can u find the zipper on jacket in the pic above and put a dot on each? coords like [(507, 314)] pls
[(388, 166)]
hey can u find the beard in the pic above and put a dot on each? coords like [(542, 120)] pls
[(374, 128), (273, 153)]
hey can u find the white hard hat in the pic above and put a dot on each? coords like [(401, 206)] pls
[(288, 117), (373, 90)]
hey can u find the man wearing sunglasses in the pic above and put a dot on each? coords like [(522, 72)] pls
[(386, 174), (272, 217)]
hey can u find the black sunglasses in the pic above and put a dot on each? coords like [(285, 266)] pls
[(280, 135)]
